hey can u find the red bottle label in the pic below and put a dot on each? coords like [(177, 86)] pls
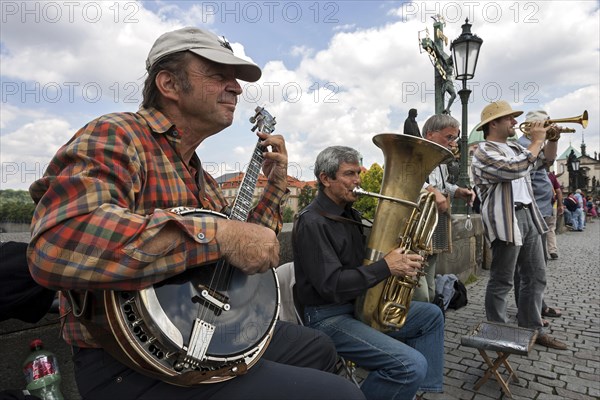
[(40, 367)]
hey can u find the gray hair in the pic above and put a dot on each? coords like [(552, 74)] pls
[(329, 160), (438, 122), (176, 64)]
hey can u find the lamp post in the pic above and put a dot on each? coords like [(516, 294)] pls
[(465, 51), (575, 178)]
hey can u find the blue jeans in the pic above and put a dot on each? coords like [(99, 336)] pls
[(568, 217), (529, 259), (400, 362), (577, 219)]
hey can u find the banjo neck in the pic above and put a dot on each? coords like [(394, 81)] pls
[(264, 123)]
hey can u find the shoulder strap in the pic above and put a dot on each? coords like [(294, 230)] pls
[(442, 176)]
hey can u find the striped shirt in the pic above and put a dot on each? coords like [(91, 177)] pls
[(493, 170), (107, 193)]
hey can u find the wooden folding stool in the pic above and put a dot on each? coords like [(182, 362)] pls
[(504, 340)]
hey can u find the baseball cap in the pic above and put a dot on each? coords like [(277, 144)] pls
[(538, 115), (205, 44)]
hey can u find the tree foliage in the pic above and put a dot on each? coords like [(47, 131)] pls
[(371, 182), (307, 194), (288, 215), (16, 206), (11, 195)]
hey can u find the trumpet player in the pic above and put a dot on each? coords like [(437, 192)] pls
[(513, 222), (443, 130), (329, 251)]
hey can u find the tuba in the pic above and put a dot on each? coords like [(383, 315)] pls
[(404, 218)]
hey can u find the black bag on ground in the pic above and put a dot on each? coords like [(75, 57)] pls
[(20, 296), (460, 296)]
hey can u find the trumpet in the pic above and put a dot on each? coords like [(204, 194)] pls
[(582, 119)]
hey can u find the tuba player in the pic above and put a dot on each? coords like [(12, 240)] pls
[(329, 249)]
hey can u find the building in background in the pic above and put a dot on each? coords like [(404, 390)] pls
[(229, 184), (589, 170)]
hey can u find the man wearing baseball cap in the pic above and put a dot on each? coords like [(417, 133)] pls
[(543, 192), (513, 222), (543, 189), (107, 219)]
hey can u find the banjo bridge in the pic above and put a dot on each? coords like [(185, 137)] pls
[(212, 299)]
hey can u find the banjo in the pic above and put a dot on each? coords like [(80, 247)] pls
[(206, 325)]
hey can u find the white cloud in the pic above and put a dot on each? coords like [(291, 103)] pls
[(351, 86), (36, 141), (546, 57), (27, 150), (302, 51), (84, 49), (106, 43), (346, 27)]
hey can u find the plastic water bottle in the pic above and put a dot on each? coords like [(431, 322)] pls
[(41, 372)]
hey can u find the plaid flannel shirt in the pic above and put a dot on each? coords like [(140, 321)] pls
[(106, 193)]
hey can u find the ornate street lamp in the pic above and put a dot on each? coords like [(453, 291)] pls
[(465, 51), (575, 169)]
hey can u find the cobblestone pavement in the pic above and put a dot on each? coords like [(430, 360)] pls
[(573, 287)]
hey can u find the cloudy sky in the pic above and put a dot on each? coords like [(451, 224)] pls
[(334, 72)]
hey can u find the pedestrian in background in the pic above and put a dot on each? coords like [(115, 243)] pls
[(558, 212)]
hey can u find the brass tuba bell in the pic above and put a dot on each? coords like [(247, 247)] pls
[(403, 218)]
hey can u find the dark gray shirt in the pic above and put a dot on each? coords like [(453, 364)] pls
[(543, 191), (329, 254)]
